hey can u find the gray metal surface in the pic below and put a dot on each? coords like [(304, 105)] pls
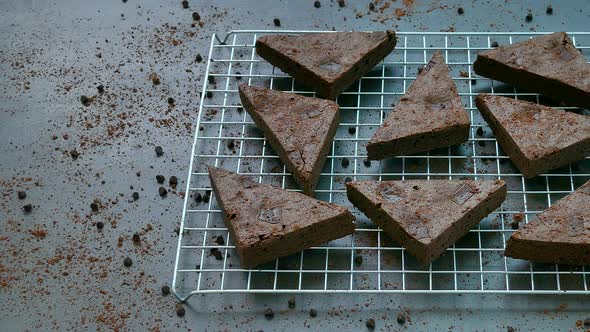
[(72, 276)]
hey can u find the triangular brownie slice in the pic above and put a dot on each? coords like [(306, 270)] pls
[(299, 129), (548, 64), (537, 138), (267, 222), (429, 116), (561, 234), (327, 62), (426, 216)]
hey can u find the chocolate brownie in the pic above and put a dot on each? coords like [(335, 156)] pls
[(299, 129), (326, 62), (548, 64), (537, 138), (430, 115), (426, 216), (266, 222), (561, 234)]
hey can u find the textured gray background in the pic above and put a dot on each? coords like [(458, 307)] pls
[(73, 278)]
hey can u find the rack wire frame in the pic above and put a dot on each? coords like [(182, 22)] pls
[(475, 264)]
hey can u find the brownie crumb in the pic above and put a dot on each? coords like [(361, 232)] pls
[(85, 100), (277, 22), (358, 260), (100, 88), (347, 179), (100, 225), (136, 239), (135, 195), (180, 312), (238, 75), (514, 224), (345, 162), (495, 44), (211, 79), (218, 255), (479, 131), (367, 162), (219, 240), (165, 290), (352, 130), (240, 109), (198, 198), (529, 17), (401, 319), (231, 145), (205, 198), (94, 206), (159, 151), (198, 58), (371, 6), (170, 100), (313, 312), (184, 4), (268, 313), (209, 94), (460, 11), (21, 195), (155, 80), (173, 181), (317, 4), (549, 11), (28, 208), (163, 192), (75, 154), (370, 323), (196, 16), (160, 178), (291, 303), (127, 262), (481, 143), (341, 3)]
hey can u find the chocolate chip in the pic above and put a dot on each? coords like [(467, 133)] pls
[(549, 11), (211, 79), (371, 6), (317, 4), (198, 58), (219, 240), (84, 100), (184, 4), (135, 195), (277, 22), (180, 312), (163, 192), (352, 130), (460, 11), (481, 143), (347, 179), (345, 162), (341, 3), (170, 100), (479, 131), (514, 224), (401, 319), (495, 44), (136, 239), (127, 262), (165, 290), (218, 255), (358, 260), (291, 303), (100, 225), (28, 208), (100, 88), (196, 16), (173, 181), (268, 313), (209, 94), (313, 312), (367, 162), (75, 154), (21, 194), (160, 178), (159, 151), (94, 206), (370, 323), (198, 198), (205, 198), (529, 17)]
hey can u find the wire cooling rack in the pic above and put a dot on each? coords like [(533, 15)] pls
[(226, 137)]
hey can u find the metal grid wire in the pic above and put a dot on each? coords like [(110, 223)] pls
[(226, 137)]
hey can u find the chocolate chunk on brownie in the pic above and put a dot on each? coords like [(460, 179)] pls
[(537, 138), (426, 216), (548, 64), (326, 62), (429, 116), (299, 129), (560, 235), (266, 222)]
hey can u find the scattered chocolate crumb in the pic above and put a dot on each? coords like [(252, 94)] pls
[(401, 319), (352, 130), (345, 162), (163, 192), (100, 88), (291, 302), (184, 4), (240, 109), (213, 250), (238, 75), (317, 4), (495, 44), (198, 58), (155, 79), (268, 313), (196, 16), (514, 224), (85, 100), (211, 79), (135, 195), (370, 323), (218, 255), (347, 179), (473, 82), (481, 143), (549, 10), (75, 154), (460, 11), (180, 312), (358, 259), (529, 17), (341, 3), (136, 239), (21, 195), (479, 131), (518, 217), (205, 198), (170, 100), (100, 225), (160, 178), (277, 22), (138, 174), (173, 181), (165, 290), (209, 94), (94, 206), (198, 198), (313, 312), (371, 6), (367, 162), (28, 208), (510, 329), (159, 151), (587, 320), (127, 262), (219, 240), (230, 144)]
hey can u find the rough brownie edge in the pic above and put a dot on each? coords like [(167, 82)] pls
[(419, 142), (554, 89), (323, 88), (269, 249), (545, 252), (529, 167), (309, 182), (426, 253)]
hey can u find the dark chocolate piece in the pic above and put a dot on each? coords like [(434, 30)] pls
[(266, 222), (548, 64), (426, 216), (299, 129), (327, 62), (429, 116), (537, 138), (560, 235)]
